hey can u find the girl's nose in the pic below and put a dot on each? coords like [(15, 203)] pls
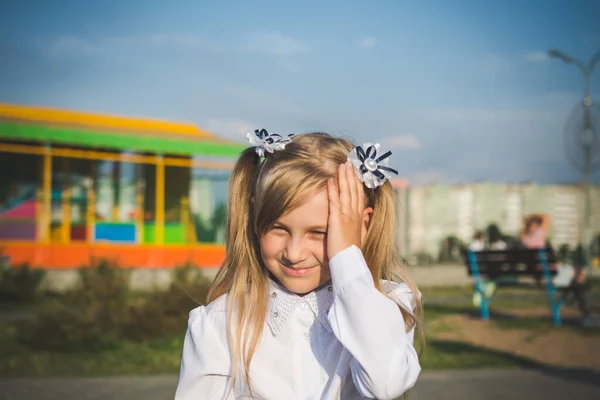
[(295, 251)]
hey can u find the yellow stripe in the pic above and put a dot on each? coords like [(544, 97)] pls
[(98, 155), (159, 214), (47, 202), (56, 116)]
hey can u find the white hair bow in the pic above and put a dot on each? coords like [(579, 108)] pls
[(267, 142), (370, 168)]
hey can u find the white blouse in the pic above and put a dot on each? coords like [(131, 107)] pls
[(344, 341)]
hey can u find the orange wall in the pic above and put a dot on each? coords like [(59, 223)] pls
[(75, 255)]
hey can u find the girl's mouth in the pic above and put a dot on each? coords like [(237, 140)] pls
[(297, 272)]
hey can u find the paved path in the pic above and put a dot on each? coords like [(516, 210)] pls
[(438, 385)]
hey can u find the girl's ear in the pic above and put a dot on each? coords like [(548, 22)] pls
[(367, 214)]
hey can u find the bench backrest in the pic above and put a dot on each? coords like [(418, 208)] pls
[(511, 262)]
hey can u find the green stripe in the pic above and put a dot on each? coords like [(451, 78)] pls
[(117, 141)]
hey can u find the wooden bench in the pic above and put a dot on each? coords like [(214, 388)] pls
[(495, 264)]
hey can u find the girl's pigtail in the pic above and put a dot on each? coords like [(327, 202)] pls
[(239, 234), (241, 276)]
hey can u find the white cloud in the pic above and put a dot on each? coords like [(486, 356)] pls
[(165, 40), (491, 144), (406, 141), (504, 63), (274, 44), (76, 46), (367, 42), (234, 129), (536, 56), (496, 63)]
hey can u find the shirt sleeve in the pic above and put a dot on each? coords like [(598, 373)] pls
[(371, 327), (205, 362)]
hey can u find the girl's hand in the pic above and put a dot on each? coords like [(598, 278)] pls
[(346, 207)]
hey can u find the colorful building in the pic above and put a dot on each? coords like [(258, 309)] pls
[(77, 186)]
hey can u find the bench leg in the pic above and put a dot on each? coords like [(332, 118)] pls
[(485, 314), (554, 303)]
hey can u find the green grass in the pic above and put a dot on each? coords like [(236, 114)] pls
[(531, 324), (163, 355), (502, 316), (434, 311), (498, 307), (151, 357), (433, 291), (537, 324), (448, 354), (467, 290)]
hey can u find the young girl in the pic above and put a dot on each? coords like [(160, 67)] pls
[(304, 306)]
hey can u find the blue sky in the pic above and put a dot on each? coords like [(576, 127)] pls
[(460, 91)]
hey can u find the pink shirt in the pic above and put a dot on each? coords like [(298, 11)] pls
[(536, 239)]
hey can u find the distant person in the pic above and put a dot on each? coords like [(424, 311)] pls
[(498, 245), (535, 229), (533, 236), (487, 286), (478, 242), (580, 287), (501, 245), (577, 286), (495, 238)]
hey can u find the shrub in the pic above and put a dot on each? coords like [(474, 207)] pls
[(19, 283), (88, 316), (101, 311), (167, 311)]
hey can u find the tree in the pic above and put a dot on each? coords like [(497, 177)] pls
[(564, 253), (596, 246), (212, 231), (219, 221), (450, 249)]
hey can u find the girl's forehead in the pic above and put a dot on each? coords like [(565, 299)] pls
[(314, 211)]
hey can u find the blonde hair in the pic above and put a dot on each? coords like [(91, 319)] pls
[(259, 194)]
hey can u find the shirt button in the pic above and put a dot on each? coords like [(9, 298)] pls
[(330, 288), (275, 314), (274, 294)]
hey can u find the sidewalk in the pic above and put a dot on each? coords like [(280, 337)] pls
[(436, 385)]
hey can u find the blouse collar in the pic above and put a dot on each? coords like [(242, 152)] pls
[(282, 304)]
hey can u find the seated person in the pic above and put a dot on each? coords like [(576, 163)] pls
[(478, 243), (535, 229), (533, 236)]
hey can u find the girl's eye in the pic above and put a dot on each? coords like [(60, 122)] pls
[(318, 233)]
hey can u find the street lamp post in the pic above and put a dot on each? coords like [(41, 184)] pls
[(588, 138)]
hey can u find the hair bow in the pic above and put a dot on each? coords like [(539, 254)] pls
[(269, 142), (370, 168)]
